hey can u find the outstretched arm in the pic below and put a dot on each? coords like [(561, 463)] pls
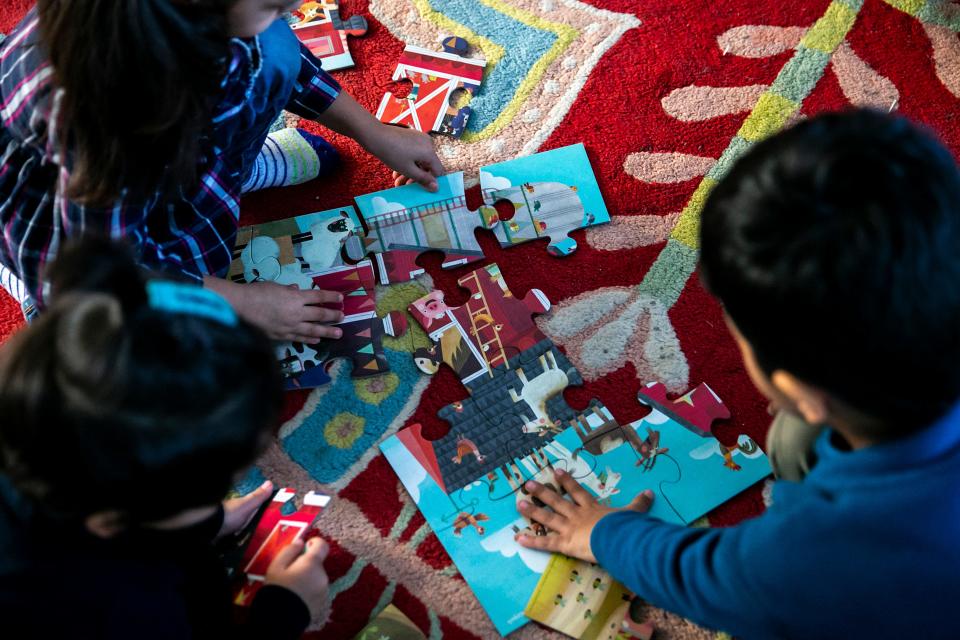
[(317, 96)]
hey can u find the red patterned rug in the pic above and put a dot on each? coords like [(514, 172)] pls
[(664, 97)]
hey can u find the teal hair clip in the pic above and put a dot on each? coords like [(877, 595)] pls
[(188, 299)]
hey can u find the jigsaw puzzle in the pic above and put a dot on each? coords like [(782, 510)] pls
[(275, 530), (443, 84), (407, 221), (478, 522), (288, 251), (484, 333), (304, 366), (552, 193), (581, 600), (320, 28)]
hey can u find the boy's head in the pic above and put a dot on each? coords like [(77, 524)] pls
[(132, 399), (834, 248)]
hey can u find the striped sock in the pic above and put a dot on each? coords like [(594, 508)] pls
[(290, 156)]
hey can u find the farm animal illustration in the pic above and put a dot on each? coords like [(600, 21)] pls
[(465, 520), (535, 392), (466, 447)]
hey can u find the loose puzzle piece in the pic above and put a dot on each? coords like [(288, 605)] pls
[(390, 624), (441, 82), (581, 600), (478, 523), (320, 28), (407, 221), (304, 365), (274, 532), (288, 251), (552, 193), (492, 327)]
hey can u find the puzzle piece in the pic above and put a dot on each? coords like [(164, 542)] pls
[(581, 600), (510, 414), (288, 251), (390, 624), (274, 532), (484, 333), (552, 193), (407, 221), (441, 81), (320, 28), (696, 410), (304, 366)]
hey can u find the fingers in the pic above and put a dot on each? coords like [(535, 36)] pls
[(310, 333), (424, 178), (548, 496), (320, 296), (287, 555), (433, 164), (573, 488), (547, 518), (546, 543), (642, 502), (321, 314), (317, 550)]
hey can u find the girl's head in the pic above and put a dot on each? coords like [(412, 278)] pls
[(140, 81), (140, 398)]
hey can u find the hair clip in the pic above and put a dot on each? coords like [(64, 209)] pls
[(188, 299)]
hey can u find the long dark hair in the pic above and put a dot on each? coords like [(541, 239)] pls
[(140, 79), (109, 403)]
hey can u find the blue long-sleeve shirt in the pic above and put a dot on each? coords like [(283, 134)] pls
[(867, 546)]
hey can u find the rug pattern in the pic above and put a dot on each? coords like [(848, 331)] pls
[(665, 97)]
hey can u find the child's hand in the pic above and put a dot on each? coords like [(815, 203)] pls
[(237, 512), (289, 313), (409, 153), (302, 572), (571, 522)]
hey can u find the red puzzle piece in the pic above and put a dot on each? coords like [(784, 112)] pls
[(319, 27), (492, 327), (696, 410), (438, 79), (275, 531)]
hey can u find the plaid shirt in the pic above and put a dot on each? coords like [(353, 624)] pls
[(192, 236)]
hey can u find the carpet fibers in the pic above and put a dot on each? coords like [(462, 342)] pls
[(665, 97)]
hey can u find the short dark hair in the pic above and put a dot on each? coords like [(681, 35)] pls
[(111, 404), (834, 248)]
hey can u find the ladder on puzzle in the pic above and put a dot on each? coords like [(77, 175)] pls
[(482, 326)]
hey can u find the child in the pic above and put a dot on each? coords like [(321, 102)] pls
[(129, 407), (834, 249), (147, 119)]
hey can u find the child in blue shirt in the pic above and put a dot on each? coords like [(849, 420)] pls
[(834, 248)]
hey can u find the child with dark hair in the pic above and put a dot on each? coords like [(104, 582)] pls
[(148, 119), (834, 248), (129, 408)]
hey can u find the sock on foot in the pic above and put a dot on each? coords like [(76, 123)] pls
[(290, 156)]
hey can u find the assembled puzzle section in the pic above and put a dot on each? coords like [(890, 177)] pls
[(289, 251), (489, 329), (552, 193), (478, 522), (304, 365), (581, 600), (443, 84), (278, 527), (320, 28), (406, 221)]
